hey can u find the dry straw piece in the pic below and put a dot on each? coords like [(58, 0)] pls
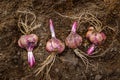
[(54, 46)]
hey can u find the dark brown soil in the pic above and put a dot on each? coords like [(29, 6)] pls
[(13, 59)]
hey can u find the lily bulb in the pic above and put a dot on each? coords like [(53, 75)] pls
[(73, 40), (95, 37), (29, 42), (54, 44)]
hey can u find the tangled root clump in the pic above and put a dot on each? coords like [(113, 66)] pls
[(48, 62), (26, 22)]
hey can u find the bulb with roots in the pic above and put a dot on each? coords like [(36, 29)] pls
[(74, 41), (29, 42), (96, 38), (54, 46)]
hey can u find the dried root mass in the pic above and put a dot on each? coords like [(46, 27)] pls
[(26, 22), (48, 62)]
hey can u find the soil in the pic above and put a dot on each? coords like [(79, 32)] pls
[(13, 59)]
